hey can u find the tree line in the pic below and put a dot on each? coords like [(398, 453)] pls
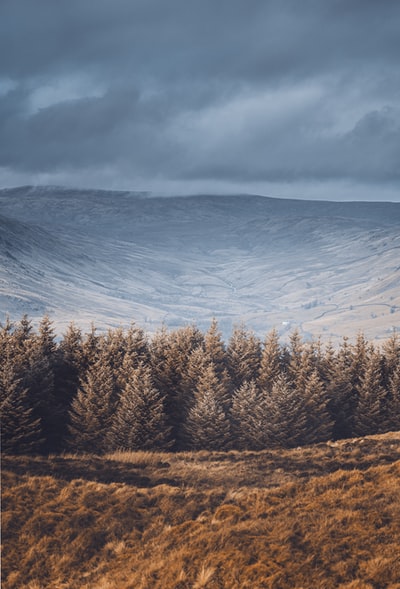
[(186, 389)]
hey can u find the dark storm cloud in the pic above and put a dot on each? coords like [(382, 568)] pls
[(275, 91), (117, 126)]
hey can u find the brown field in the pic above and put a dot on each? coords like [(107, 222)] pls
[(324, 516)]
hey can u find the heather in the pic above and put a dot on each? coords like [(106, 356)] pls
[(322, 516)]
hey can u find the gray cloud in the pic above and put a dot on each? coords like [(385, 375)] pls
[(185, 91)]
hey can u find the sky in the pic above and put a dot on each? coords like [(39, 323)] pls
[(275, 97)]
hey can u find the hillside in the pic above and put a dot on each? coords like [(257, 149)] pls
[(322, 516), (327, 268)]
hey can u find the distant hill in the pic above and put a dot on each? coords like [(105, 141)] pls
[(328, 268)]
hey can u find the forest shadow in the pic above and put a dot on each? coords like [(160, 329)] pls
[(94, 469), (205, 470)]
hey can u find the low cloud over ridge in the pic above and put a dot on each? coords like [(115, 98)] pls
[(184, 95)]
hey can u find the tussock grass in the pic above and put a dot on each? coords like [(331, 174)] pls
[(322, 517)]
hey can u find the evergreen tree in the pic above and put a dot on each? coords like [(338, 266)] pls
[(243, 356), (20, 429), (369, 413), (71, 347), (169, 358), (206, 425), (297, 418), (319, 424), (214, 346), (69, 371), (92, 410), (140, 421), (283, 396), (341, 399), (22, 331), (112, 348), (361, 352), (286, 424), (294, 356), (32, 358), (46, 338), (391, 356), (91, 346), (215, 349), (271, 361), (393, 404), (249, 417), (197, 363), (37, 371), (136, 346), (309, 385), (305, 362), (161, 370), (341, 388), (54, 403)]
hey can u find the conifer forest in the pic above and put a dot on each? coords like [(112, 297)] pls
[(188, 390)]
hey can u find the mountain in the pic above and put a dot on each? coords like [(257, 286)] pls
[(328, 268)]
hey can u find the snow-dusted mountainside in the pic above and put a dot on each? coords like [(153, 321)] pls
[(328, 268)]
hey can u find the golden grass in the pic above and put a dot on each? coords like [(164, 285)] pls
[(322, 517)]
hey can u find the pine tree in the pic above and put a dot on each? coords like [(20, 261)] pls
[(271, 361), (393, 401), (286, 424), (341, 389), (296, 419), (215, 349), (140, 421), (294, 353), (214, 346), (136, 346), (112, 348), (92, 410), (69, 371), (46, 338), (71, 348), (54, 404), (32, 357), (249, 417), (91, 346), (341, 398), (169, 358), (20, 429), (159, 348), (243, 356), (391, 356), (319, 424), (306, 363), (361, 352), (207, 425), (369, 413), (197, 363), (37, 371), (22, 331)]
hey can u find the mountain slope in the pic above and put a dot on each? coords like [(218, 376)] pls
[(113, 257)]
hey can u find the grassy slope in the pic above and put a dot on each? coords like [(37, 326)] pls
[(323, 516)]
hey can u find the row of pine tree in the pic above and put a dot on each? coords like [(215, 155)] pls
[(188, 390)]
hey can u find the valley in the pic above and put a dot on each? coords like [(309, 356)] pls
[(328, 269)]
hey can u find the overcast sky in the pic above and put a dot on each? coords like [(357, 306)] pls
[(284, 98)]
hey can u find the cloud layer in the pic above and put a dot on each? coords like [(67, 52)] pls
[(184, 94)]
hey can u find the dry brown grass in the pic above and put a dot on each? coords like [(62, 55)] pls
[(322, 517)]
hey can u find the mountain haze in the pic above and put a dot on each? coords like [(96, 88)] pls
[(328, 268)]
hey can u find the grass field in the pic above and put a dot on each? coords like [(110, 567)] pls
[(324, 516)]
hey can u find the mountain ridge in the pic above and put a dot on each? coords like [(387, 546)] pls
[(327, 268)]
